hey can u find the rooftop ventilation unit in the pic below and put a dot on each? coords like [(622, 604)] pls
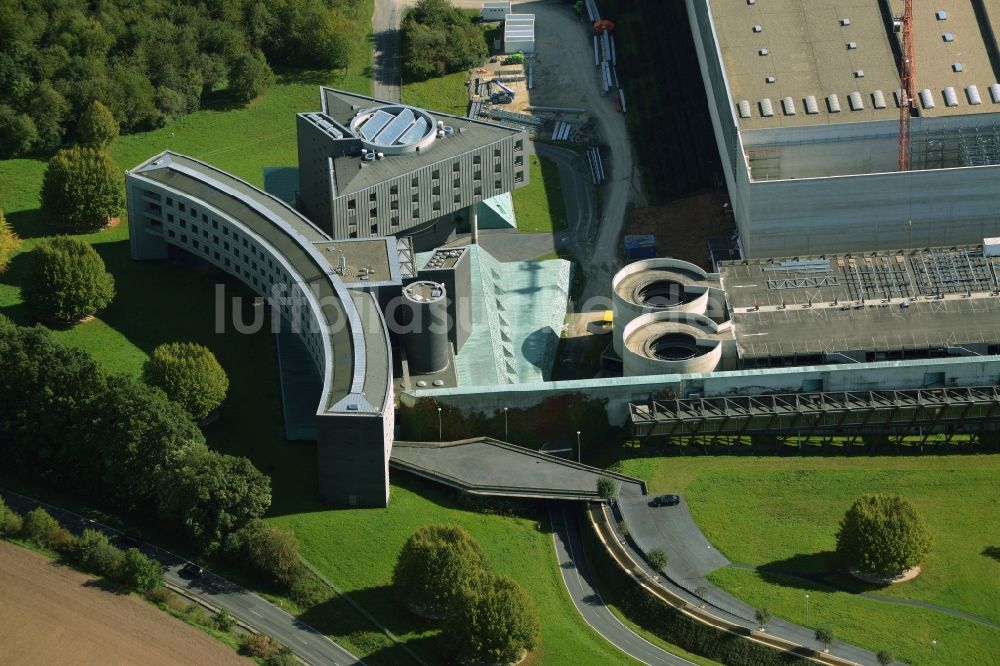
[(879, 99), (950, 98), (845, 21), (833, 102), (956, 66), (758, 28), (744, 109), (854, 99), (763, 52), (995, 92), (859, 73), (941, 15), (766, 108), (811, 106), (788, 105), (926, 98), (769, 79), (972, 92), (851, 46), (948, 37)]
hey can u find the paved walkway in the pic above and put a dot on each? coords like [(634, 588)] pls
[(484, 466), (308, 643), (573, 566)]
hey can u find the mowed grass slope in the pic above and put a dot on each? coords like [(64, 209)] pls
[(539, 206), (781, 514)]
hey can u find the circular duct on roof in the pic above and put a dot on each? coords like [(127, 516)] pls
[(663, 343)]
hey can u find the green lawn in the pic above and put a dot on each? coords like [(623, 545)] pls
[(539, 206), (782, 514), (448, 93)]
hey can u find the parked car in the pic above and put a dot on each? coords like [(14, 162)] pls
[(665, 500), (192, 570)]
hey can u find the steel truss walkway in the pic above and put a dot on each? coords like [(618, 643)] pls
[(831, 413)]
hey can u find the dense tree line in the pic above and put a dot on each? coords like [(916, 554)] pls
[(439, 39), (148, 61), (66, 423)]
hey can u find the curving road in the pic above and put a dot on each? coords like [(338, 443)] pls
[(311, 645), (569, 553)]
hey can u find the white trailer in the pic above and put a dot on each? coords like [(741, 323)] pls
[(519, 33), (495, 10)]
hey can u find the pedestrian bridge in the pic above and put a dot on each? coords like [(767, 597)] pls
[(485, 466)]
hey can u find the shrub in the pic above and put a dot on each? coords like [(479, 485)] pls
[(10, 520), (623, 528), (260, 646), (885, 658), (824, 635), (762, 616), (189, 374), (606, 487), (883, 535), (249, 77), (160, 596), (98, 127), (439, 39), (657, 559), (195, 614), (66, 281), (139, 572), (492, 620), (436, 562), (271, 551), (284, 658), (40, 528), (224, 621), (9, 242), (306, 589), (82, 189), (94, 553)]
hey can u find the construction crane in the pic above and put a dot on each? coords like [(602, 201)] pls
[(907, 78)]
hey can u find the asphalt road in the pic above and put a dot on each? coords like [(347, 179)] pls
[(387, 75), (576, 576), (308, 643)]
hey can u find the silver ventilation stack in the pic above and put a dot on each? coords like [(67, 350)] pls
[(424, 317)]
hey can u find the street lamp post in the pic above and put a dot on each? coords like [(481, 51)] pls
[(506, 435), (807, 608), (579, 452), (934, 651), (440, 435)]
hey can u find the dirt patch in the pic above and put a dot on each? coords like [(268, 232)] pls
[(683, 227), (909, 574), (51, 614)]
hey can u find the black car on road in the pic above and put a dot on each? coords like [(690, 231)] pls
[(192, 570), (665, 500)]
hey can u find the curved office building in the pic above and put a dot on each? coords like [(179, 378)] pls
[(179, 201)]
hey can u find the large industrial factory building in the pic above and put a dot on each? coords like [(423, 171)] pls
[(805, 104)]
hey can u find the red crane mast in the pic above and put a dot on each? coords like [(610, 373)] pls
[(907, 77)]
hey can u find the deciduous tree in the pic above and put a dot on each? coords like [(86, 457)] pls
[(436, 562), (9, 242), (139, 572), (249, 77), (492, 621), (82, 189), (66, 281), (97, 127), (189, 374), (883, 535)]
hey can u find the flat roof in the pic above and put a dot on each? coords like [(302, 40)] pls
[(363, 262), (354, 174), (360, 349), (799, 49), (885, 301)]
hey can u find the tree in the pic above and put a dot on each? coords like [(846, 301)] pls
[(224, 621), (189, 374), (42, 529), (9, 242), (885, 658), (606, 487), (762, 616), (97, 126), (824, 635), (657, 559), (212, 495), (82, 189), (95, 553), (18, 133), (249, 77), (435, 564), (66, 281), (493, 620), (883, 535), (139, 572), (10, 520), (271, 550), (439, 39)]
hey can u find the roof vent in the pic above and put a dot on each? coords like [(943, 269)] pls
[(995, 93), (859, 73), (972, 92), (878, 98), (956, 66), (845, 21), (811, 106), (769, 79), (744, 109), (948, 37), (854, 99), (941, 15), (751, 2), (758, 28), (833, 102), (926, 98), (950, 98), (851, 46), (766, 108), (763, 52), (788, 104)]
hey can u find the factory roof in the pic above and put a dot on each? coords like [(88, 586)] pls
[(912, 300), (358, 372), (354, 174), (801, 62)]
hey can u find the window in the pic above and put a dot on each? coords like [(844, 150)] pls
[(204, 218), (352, 204), (225, 231), (496, 184), (216, 255), (253, 265), (496, 152), (478, 190), (170, 201), (215, 223), (215, 239), (225, 246), (477, 174), (393, 205), (353, 234), (436, 191), (415, 198), (170, 233), (170, 217), (476, 159), (194, 212), (435, 174), (497, 168), (455, 167), (181, 207), (228, 263), (413, 181), (375, 228), (184, 238), (437, 205), (519, 145), (456, 183), (394, 220), (518, 161), (371, 196), (458, 198), (519, 177), (205, 233), (195, 245), (373, 212), (245, 244), (394, 189)]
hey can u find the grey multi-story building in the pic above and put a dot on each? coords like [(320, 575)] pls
[(369, 168)]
